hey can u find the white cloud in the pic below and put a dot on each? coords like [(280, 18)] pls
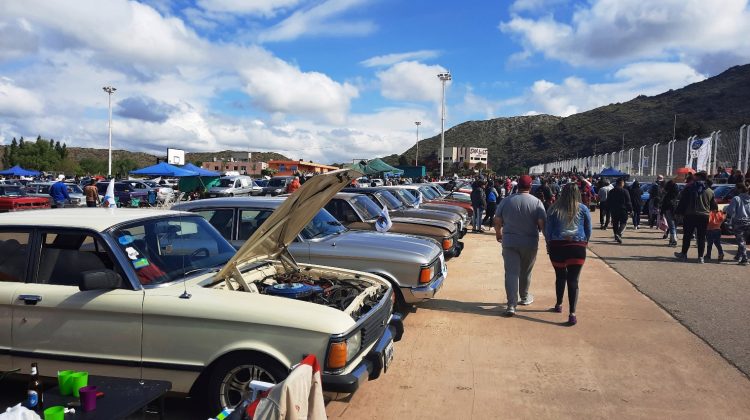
[(391, 59), (617, 31), (411, 81), (575, 95), (320, 19), (16, 101), (249, 7)]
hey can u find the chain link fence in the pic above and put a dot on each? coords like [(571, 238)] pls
[(722, 150)]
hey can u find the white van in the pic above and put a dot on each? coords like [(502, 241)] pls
[(231, 186)]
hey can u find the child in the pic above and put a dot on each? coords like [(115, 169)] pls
[(713, 232)]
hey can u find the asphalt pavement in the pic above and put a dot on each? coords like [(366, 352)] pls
[(710, 299)]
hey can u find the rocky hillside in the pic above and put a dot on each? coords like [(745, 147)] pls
[(718, 103)]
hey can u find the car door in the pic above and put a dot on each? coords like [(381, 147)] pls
[(14, 259), (61, 327)]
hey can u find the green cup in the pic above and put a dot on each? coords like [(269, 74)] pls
[(64, 381), (79, 380), (54, 413)]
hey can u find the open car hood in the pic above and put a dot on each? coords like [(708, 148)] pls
[(288, 220)]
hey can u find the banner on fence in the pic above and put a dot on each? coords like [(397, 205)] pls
[(700, 150)]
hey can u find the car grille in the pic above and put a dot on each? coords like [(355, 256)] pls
[(374, 326)]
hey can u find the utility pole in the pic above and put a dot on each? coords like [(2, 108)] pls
[(674, 127), (444, 77), (416, 158), (110, 90)]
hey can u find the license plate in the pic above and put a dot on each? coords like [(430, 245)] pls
[(387, 356), (212, 195)]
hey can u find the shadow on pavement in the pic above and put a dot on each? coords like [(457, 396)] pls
[(477, 308)]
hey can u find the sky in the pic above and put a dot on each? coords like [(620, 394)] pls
[(336, 80)]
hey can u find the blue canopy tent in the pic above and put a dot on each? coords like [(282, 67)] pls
[(163, 169), (199, 171), (612, 172), (18, 171)]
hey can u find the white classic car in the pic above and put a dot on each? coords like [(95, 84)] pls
[(162, 294)]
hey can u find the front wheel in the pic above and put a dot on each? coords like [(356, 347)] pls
[(229, 381)]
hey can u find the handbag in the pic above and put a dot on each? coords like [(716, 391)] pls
[(663, 226)]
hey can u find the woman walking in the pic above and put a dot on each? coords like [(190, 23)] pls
[(739, 212), (478, 204), (635, 198), (667, 208), (567, 233)]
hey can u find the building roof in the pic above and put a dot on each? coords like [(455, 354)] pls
[(301, 162)]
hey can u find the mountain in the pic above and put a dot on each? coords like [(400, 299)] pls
[(721, 102)]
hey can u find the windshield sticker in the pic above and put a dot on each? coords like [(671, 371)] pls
[(140, 263), (125, 240), (132, 253)]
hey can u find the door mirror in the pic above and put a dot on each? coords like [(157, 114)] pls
[(102, 279)]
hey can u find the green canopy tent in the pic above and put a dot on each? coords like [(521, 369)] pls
[(376, 166)]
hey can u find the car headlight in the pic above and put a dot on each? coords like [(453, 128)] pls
[(353, 344), (426, 274), (341, 352)]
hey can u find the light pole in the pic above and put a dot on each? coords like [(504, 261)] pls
[(444, 77), (110, 90), (416, 158)]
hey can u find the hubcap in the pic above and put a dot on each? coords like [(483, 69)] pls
[(235, 387)]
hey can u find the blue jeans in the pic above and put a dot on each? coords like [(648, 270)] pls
[(476, 221), (713, 237), (671, 225), (742, 233)]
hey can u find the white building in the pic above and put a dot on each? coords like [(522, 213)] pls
[(472, 155)]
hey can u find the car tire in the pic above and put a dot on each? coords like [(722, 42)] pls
[(231, 194), (228, 381)]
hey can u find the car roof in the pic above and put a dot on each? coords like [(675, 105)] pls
[(99, 219), (347, 195), (269, 202)]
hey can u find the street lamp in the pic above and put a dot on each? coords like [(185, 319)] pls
[(416, 158), (110, 90), (444, 77)]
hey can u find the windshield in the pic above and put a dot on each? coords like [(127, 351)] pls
[(428, 192), (169, 248), (277, 182), (366, 207), (226, 182), (323, 224), (405, 196), (12, 191), (73, 188), (440, 188), (390, 201)]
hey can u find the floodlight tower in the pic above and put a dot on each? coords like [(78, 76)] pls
[(416, 158), (444, 77), (110, 90)]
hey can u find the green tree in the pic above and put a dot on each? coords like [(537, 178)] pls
[(39, 155), (121, 167), (91, 166)]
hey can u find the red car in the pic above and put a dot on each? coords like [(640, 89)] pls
[(12, 198)]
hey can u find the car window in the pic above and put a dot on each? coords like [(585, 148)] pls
[(221, 219), (66, 255), (341, 210), (226, 182), (323, 224), (14, 251), (392, 202), (366, 207), (168, 249), (250, 221), (277, 182)]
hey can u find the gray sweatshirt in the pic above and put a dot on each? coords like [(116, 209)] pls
[(739, 210)]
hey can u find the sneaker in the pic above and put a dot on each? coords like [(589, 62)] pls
[(572, 320), (743, 261), (665, 236), (510, 311), (720, 258), (736, 257), (618, 239), (700, 260), (636, 228), (680, 256), (557, 308), (528, 300), (707, 258)]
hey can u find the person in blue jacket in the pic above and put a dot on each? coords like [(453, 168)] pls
[(59, 192), (567, 234)]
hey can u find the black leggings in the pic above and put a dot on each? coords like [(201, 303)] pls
[(694, 223), (567, 259)]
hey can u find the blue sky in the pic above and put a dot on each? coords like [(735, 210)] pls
[(335, 80)]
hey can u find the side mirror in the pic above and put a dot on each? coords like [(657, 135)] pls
[(102, 279)]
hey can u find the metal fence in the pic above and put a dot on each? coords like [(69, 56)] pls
[(730, 149)]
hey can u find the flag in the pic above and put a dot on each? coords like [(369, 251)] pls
[(109, 196), (700, 150), (383, 222)]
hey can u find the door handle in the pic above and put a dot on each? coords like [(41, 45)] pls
[(30, 299)]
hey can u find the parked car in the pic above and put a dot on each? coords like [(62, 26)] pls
[(277, 185), (426, 197), (409, 200), (41, 189), (450, 195), (261, 183), (13, 198), (231, 186), (724, 193), (163, 192), (400, 259), (162, 294), (125, 195), (398, 209), (359, 212)]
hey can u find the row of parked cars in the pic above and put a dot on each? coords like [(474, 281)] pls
[(225, 290)]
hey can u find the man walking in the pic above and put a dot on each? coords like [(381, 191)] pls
[(59, 192), (695, 203), (478, 204), (518, 220), (603, 208), (619, 205)]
